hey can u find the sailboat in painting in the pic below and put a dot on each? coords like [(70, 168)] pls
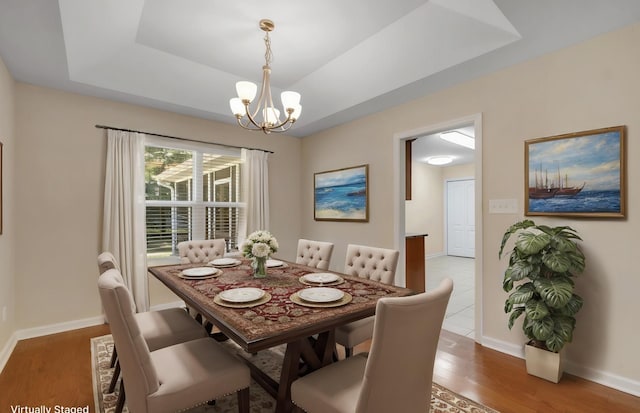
[(545, 188)]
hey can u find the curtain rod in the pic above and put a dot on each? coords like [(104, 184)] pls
[(181, 139)]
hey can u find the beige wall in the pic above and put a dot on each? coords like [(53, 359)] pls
[(60, 159), (424, 213), (587, 86), (7, 260)]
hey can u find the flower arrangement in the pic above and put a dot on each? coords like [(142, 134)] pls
[(259, 246)]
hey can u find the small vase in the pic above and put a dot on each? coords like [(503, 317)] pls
[(259, 267)]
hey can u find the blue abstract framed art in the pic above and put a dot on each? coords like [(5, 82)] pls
[(342, 194), (578, 174)]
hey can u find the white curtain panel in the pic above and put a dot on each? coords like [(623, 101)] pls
[(123, 229), (255, 188)]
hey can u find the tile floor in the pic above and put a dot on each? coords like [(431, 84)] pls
[(459, 318)]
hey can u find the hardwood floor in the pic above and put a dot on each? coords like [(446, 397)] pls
[(56, 370)]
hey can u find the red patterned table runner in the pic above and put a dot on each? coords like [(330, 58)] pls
[(280, 315)]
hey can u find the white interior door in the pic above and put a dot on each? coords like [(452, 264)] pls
[(461, 218)]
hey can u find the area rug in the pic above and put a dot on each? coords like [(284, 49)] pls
[(443, 400)]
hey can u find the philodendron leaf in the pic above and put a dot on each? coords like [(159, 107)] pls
[(512, 230), (556, 292), (514, 315), (531, 243), (536, 309), (522, 269), (507, 283), (554, 343), (542, 329), (557, 261), (573, 306), (522, 294), (563, 327), (563, 244)]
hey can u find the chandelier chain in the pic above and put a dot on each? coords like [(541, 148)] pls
[(267, 54)]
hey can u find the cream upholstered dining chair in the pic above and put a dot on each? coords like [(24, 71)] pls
[(201, 251), (315, 254), (378, 264), (159, 329), (397, 374), (172, 378)]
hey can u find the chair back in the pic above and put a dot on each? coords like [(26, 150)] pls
[(107, 261), (378, 264), (138, 372), (315, 254), (399, 368), (201, 251)]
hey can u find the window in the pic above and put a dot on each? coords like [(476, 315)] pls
[(191, 192)]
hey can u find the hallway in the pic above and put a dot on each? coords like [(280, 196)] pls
[(460, 313)]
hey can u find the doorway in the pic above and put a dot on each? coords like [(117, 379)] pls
[(468, 240)]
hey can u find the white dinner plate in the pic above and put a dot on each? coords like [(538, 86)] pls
[(224, 261), (199, 272), (320, 277), (274, 263), (242, 295), (321, 294)]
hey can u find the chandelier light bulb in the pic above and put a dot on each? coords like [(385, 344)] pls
[(246, 90), (290, 99), (237, 107)]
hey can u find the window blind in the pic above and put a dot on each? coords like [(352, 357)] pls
[(191, 193)]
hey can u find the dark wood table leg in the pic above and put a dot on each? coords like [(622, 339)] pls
[(288, 375)]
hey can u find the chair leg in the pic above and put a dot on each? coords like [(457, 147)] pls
[(121, 399), (114, 358), (348, 352), (243, 400), (114, 378)]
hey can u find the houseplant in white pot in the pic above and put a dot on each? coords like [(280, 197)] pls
[(539, 279)]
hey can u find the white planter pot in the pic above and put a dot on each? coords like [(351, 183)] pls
[(544, 364)]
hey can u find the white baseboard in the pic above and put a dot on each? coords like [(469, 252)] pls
[(7, 350), (59, 327), (606, 379), (503, 347), (614, 381)]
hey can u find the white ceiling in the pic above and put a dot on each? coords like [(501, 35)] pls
[(347, 58)]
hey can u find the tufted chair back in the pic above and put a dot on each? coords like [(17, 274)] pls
[(378, 264), (403, 350), (201, 251), (138, 371), (107, 261), (315, 254)]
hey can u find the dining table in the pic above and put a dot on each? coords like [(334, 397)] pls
[(289, 306)]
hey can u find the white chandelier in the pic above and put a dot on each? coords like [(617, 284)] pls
[(264, 116)]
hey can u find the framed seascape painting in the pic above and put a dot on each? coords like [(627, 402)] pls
[(578, 174), (342, 195)]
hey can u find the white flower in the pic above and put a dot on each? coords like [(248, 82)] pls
[(260, 250), (259, 244)]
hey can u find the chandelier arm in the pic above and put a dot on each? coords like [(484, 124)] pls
[(251, 118)]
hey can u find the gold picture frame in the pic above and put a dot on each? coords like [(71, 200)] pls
[(341, 194), (581, 174)]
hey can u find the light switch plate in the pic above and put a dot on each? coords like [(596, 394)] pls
[(503, 206)]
